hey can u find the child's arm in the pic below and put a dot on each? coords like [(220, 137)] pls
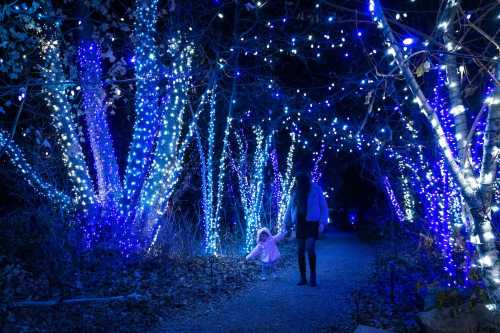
[(280, 236), (255, 252)]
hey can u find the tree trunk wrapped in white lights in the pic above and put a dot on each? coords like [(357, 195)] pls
[(62, 119), (147, 73), (481, 209), (169, 152), (457, 109), (220, 181), (477, 191), (251, 183), (287, 182), (212, 190)]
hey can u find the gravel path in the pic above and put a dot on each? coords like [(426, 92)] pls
[(282, 306)]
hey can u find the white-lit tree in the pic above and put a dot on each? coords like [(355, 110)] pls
[(285, 183), (249, 169), (212, 174), (476, 182)]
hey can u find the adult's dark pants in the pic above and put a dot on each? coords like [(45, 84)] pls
[(307, 233)]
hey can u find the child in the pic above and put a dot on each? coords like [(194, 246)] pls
[(267, 251)]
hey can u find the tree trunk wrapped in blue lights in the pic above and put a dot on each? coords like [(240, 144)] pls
[(476, 190), (106, 167)]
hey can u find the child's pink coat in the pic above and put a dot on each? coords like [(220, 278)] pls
[(267, 251)]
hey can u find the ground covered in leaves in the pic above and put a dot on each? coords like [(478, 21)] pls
[(158, 287)]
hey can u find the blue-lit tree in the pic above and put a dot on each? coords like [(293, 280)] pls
[(127, 210), (475, 186), (109, 187)]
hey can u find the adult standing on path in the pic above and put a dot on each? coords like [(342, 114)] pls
[(308, 212)]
